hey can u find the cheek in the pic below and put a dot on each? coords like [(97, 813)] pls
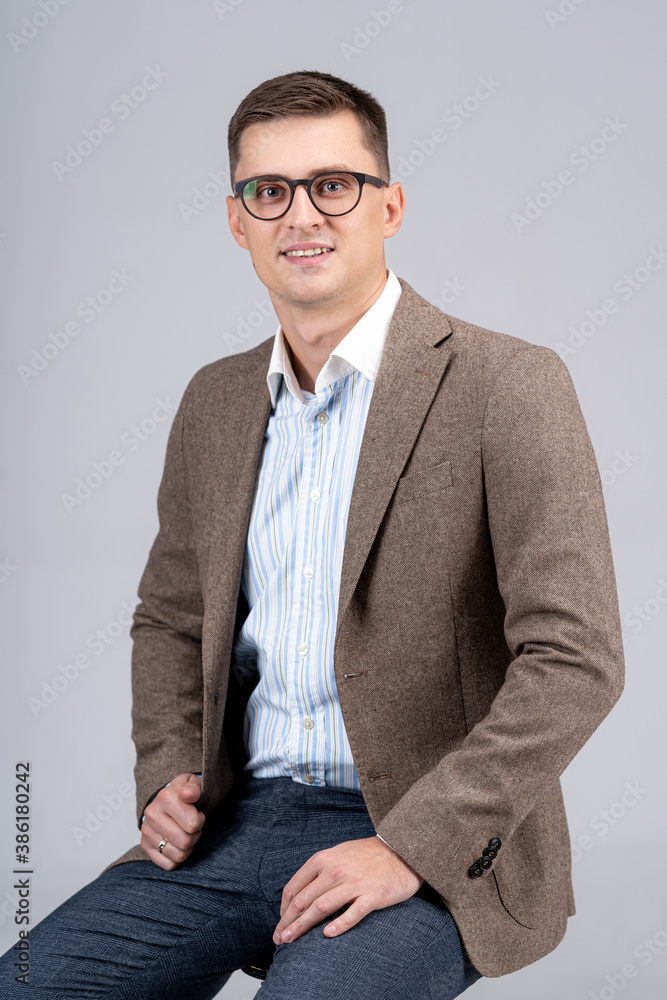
[(368, 235), (260, 247)]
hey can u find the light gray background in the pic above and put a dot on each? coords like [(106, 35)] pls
[(66, 574)]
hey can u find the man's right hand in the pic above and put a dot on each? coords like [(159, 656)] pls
[(173, 816)]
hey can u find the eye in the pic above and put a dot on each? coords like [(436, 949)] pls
[(266, 189), (333, 185), (269, 191)]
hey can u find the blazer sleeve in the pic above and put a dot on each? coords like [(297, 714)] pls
[(555, 573), (166, 634)]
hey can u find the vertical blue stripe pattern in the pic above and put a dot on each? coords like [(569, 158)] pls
[(293, 725)]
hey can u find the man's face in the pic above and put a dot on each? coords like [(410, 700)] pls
[(303, 147)]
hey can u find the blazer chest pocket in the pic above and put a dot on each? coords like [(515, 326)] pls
[(425, 482)]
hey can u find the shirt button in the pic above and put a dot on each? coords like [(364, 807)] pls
[(309, 572), (315, 494), (310, 778), (322, 417), (303, 649), (308, 723)]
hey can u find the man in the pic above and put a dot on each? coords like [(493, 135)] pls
[(378, 621)]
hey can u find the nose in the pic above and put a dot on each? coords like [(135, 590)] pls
[(302, 212)]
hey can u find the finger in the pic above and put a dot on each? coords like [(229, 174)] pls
[(179, 845), (190, 789), (322, 907), (187, 777), (168, 858), (167, 827), (149, 845), (361, 907), (159, 859), (313, 898), (151, 839), (304, 876), (169, 803)]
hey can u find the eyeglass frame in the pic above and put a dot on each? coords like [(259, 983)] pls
[(360, 177)]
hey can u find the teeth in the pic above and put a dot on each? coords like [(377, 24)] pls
[(307, 253)]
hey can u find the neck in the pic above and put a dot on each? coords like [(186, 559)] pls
[(310, 334)]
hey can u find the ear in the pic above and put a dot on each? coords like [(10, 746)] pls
[(236, 222), (394, 209)]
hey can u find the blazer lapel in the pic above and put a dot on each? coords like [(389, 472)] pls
[(413, 363)]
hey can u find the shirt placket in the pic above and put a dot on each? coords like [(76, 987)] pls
[(305, 653)]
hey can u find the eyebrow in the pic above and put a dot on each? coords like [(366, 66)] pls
[(313, 173)]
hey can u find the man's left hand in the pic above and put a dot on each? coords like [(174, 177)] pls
[(366, 873)]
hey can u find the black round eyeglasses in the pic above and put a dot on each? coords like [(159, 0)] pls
[(335, 192)]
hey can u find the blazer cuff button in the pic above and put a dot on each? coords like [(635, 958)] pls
[(475, 871)]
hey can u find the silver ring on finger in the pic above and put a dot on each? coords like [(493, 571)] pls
[(163, 843)]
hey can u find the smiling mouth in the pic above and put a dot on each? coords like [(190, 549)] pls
[(307, 253)]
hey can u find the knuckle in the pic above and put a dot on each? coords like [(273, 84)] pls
[(383, 893), (321, 905), (299, 904)]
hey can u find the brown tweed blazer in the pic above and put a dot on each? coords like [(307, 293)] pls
[(478, 612)]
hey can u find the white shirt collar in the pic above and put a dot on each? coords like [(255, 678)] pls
[(361, 348)]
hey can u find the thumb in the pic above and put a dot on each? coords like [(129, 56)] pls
[(192, 788)]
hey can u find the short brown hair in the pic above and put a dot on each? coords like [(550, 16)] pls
[(309, 94)]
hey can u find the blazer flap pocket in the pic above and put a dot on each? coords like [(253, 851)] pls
[(430, 480)]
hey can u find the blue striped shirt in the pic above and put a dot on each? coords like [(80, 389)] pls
[(293, 725)]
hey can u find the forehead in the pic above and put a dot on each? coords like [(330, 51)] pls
[(305, 145)]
